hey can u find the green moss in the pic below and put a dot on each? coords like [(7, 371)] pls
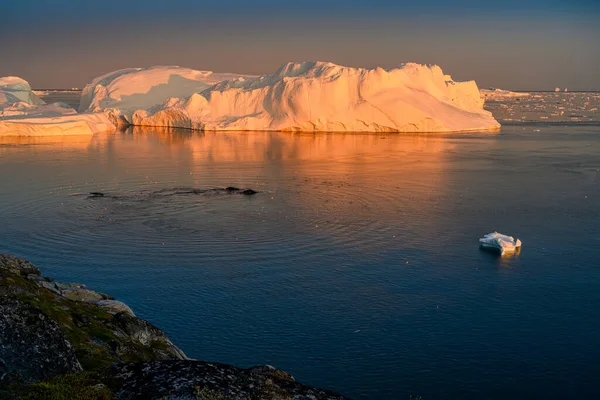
[(269, 391), (84, 326), (89, 328), (94, 334), (79, 386), (159, 345), (206, 393)]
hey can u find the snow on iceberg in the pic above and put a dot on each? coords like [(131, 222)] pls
[(22, 113), (501, 243), (307, 96), (122, 92), (14, 90)]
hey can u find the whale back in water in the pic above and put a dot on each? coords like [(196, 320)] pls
[(177, 191)]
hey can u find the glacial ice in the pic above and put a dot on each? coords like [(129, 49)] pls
[(306, 96), (23, 113), (127, 90), (68, 124), (16, 90), (501, 243)]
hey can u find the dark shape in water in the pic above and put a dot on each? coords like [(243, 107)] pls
[(248, 192), (176, 191)]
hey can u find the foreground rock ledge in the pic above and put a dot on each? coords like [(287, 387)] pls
[(63, 341)]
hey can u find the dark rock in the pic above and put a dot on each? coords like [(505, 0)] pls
[(31, 344), (85, 295), (17, 266), (115, 307), (96, 194), (33, 277), (50, 286), (81, 320), (248, 192), (69, 285), (231, 189), (12, 377), (198, 379)]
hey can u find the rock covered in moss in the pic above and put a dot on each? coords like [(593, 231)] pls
[(51, 331), (17, 266), (85, 295), (32, 346), (115, 307), (191, 380), (143, 332), (100, 329), (75, 386)]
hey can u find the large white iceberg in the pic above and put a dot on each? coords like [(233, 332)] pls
[(500, 243), (307, 96), (22, 113)]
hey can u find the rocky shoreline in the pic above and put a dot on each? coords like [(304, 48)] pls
[(64, 341)]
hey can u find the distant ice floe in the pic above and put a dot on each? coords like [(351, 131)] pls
[(23, 113), (560, 107), (500, 243), (305, 96), (493, 93)]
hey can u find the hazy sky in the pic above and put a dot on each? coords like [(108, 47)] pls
[(524, 44)]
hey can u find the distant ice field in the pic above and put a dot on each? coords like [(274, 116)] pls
[(70, 97), (546, 107)]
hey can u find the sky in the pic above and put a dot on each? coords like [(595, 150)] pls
[(509, 44)]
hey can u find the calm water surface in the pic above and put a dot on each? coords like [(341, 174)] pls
[(355, 268)]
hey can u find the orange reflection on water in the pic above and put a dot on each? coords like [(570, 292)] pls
[(71, 142), (372, 190)]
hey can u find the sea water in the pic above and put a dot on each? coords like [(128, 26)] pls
[(356, 267)]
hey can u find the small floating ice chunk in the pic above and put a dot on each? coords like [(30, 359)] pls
[(501, 243)]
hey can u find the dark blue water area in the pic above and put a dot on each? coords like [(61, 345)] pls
[(355, 267)]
